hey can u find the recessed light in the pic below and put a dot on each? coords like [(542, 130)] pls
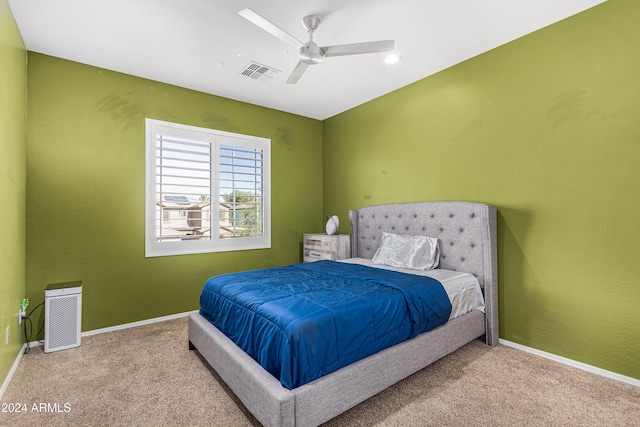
[(392, 59)]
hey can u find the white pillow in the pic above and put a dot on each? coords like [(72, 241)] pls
[(414, 252)]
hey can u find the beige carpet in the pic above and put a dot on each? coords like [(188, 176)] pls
[(146, 376)]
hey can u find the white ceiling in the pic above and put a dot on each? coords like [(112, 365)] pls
[(205, 45)]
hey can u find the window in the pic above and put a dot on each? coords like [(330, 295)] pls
[(207, 190)]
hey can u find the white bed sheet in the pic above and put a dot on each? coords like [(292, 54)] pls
[(463, 288)]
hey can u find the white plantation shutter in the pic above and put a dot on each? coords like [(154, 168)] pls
[(241, 181), (183, 180), (207, 190)]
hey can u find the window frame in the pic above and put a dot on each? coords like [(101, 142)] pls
[(154, 248)]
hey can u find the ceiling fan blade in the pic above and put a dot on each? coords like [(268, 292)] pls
[(270, 27), (297, 73), (358, 48)]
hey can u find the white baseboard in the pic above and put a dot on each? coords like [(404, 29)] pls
[(134, 324), (575, 364), (12, 371), (127, 325)]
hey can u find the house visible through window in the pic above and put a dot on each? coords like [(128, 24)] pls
[(207, 190)]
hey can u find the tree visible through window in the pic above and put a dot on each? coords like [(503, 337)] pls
[(207, 190), (244, 217)]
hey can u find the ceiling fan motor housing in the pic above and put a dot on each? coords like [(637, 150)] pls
[(311, 53)]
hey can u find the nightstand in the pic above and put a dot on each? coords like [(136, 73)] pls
[(323, 246)]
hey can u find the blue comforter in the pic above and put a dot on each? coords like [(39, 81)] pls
[(303, 321)]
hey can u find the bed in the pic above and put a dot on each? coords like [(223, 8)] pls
[(467, 234)]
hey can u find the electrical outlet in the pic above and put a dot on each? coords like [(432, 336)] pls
[(20, 313)]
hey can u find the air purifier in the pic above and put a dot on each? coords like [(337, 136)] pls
[(62, 316)]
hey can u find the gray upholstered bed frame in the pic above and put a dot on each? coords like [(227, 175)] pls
[(467, 233)]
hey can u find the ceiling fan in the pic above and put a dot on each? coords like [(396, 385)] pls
[(310, 52)]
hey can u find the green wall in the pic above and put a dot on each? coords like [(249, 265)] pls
[(86, 189), (13, 137), (547, 128)]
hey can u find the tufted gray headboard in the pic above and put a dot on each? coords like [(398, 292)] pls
[(467, 233)]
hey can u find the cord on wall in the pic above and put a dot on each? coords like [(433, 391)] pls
[(29, 332)]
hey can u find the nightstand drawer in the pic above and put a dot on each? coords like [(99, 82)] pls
[(323, 246), (311, 255), (319, 242)]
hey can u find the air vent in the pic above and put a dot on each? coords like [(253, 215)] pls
[(259, 71)]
